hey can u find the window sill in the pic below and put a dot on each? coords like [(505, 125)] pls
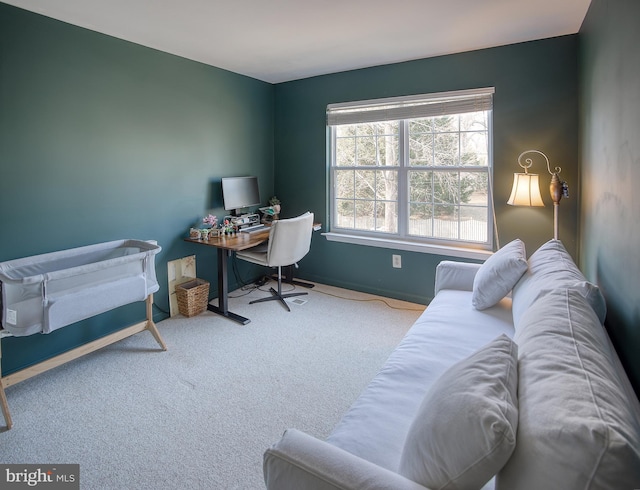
[(428, 248)]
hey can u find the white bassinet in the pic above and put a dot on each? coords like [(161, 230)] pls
[(45, 292)]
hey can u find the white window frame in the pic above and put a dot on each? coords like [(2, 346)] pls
[(404, 108)]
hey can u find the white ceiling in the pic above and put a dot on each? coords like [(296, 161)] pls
[(282, 40)]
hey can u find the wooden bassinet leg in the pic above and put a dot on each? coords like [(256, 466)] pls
[(5, 407), (151, 326), (3, 398)]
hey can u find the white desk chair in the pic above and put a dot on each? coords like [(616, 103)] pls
[(289, 241)]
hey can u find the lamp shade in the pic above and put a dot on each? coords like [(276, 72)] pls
[(525, 190)]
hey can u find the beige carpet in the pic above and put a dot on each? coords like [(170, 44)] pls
[(200, 415)]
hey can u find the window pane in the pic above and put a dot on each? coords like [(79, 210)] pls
[(389, 146), (474, 149), (420, 142), (421, 219), (365, 216), (445, 223), (446, 148), (387, 185), (446, 187), (420, 187), (387, 217), (345, 213), (473, 224), (474, 189), (344, 184), (366, 184), (467, 186), (366, 151), (345, 145)]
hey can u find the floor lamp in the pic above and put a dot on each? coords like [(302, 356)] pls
[(526, 188)]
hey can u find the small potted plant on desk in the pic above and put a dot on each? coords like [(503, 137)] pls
[(274, 202), (227, 228)]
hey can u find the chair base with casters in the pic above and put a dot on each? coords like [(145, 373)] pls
[(289, 241), (277, 295)]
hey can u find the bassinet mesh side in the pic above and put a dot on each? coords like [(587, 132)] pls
[(49, 291)]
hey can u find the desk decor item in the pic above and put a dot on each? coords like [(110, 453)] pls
[(271, 212), (208, 228), (227, 227), (274, 202), (211, 221), (211, 227)]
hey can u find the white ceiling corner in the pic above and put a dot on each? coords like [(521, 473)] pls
[(283, 40)]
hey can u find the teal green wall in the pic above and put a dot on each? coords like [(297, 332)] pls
[(101, 139), (535, 107), (610, 151)]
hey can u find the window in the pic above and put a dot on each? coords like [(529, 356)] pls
[(414, 169)]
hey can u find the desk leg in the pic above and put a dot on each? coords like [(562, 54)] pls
[(223, 300), (223, 281)]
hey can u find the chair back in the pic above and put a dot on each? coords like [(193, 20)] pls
[(289, 240)]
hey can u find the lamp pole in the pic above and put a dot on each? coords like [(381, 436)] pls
[(556, 190)]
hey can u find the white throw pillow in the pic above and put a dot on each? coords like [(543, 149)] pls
[(499, 273), (579, 424), (465, 429)]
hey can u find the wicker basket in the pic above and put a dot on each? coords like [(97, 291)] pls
[(193, 297)]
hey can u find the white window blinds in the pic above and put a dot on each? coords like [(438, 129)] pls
[(395, 108)]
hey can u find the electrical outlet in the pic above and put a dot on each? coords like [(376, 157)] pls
[(397, 261)]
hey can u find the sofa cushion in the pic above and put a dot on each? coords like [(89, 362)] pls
[(448, 331), (499, 273), (551, 267), (465, 429), (579, 421)]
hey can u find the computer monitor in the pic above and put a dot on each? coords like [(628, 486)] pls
[(240, 192)]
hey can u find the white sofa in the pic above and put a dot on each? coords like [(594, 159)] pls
[(487, 390)]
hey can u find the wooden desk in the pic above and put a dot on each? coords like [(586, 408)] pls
[(226, 244)]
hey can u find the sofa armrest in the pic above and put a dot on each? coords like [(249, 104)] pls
[(299, 461), (455, 275)]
